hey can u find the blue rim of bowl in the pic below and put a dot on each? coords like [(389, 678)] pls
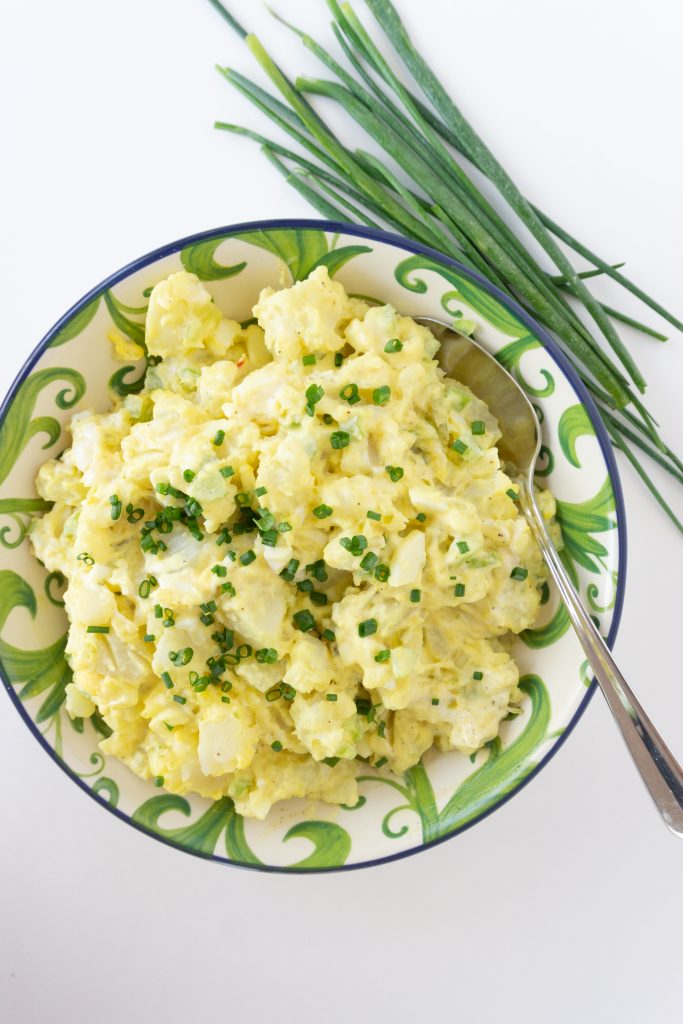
[(397, 241)]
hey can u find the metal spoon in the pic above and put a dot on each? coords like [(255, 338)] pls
[(467, 362)]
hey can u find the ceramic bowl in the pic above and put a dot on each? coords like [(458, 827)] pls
[(73, 368)]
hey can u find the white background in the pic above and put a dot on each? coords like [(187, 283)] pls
[(564, 905)]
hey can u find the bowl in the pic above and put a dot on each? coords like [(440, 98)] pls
[(73, 368)]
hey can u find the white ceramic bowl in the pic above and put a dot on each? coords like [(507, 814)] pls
[(73, 368)]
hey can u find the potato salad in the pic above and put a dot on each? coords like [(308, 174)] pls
[(294, 554)]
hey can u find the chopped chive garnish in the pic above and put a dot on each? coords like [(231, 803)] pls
[(169, 726), (356, 545), (225, 700), (322, 511), (519, 573), (166, 680), (224, 537), (133, 514), (284, 527), (459, 590), (289, 572), (276, 746), (145, 589), (462, 546), (248, 557), (288, 692), (367, 627), (183, 657), (206, 619), (227, 471), (477, 675), (266, 655), (382, 573), (415, 596), (317, 597), (393, 345), (244, 651), (149, 638), (331, 697), (313, 395), (242, 498), (269, 538), (477, 427), (338, 358), (435, 700), (309, 360), (382, 761), (86, 558), (303, 620), (260, 491), (161, 488), (220, 570), (228, 589), (383, 655), (179, 699), (514, 495), (369, 561), (339, 439), (158, 611), (158, 780), (350, 394), (380, 396), (219, 438), (329, 634), (331, 761), (328, 419), (97, 629), (116, 506), (274, 693), (421, 516), (188, 475), (209, 606), (459, 446), (395, 472), (374, 515), (318, 570), (363, 706)]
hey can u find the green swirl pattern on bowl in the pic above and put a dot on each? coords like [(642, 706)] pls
[(445, 792)]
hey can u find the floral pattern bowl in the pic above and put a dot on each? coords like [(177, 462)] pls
[(74, 367)]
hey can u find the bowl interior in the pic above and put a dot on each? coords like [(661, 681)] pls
[(74, 369)]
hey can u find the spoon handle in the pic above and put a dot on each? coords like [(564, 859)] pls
[(658, 768)]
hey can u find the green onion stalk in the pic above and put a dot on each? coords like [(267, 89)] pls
[(437, 202)]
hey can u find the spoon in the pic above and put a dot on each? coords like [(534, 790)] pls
[(467, 362)]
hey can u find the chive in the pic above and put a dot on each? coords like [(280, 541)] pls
[(459, 446), (243, 499), (179, 699), (415, 596), (158, 780), (369, 561), (208, 606), (183, 657), (313, 395), (309, 360), (288, 692), (395, 472), (328, 634), (462, 546), (519, 573), (477, 427), (166, 680), (284, 527), (338, 358), (383, 655), (227, 471), (97, 629), (303, 620), (477, 675), (380, 396), (244, 651), (260, 491), (145, 589), (85, 558), (188, 475), (363, 706), (219, 438), (274, 693), (149, 638), (322, 511), (269, 538), (317, 570), (393, 345), (514, 495), (459, 589), (420, 517), (328, 419), (339, 439), (367, 627), (276, 745), (382, 761), (374, 515), (382, 573), (206, 619), (116, 506), (225, 700), (356, 545), (161, 488), (220, 570), (350, 394), (133, 514), (248, 557), (380, 728), (158, 611), (317, 597), (169, 726), (290, 570), (305, 586), (228, 589), (266, 655), (435, 700)]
